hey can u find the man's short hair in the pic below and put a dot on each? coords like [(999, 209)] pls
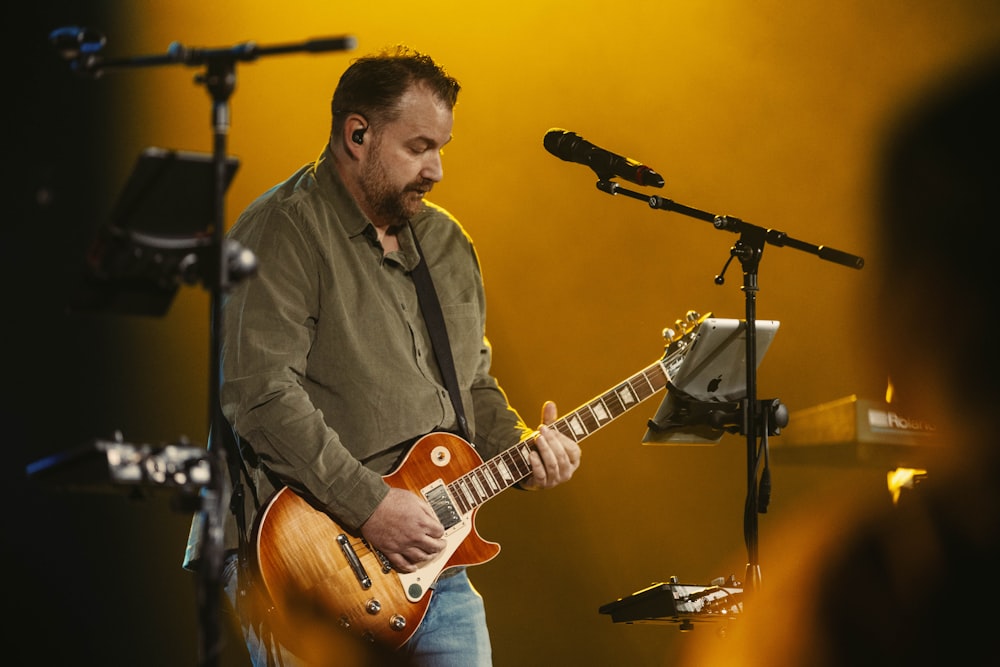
[(373, 85)]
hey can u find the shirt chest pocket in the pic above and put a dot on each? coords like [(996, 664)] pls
[(465, 336)]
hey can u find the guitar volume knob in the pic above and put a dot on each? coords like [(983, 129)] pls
[(373, 606), (397, 622)]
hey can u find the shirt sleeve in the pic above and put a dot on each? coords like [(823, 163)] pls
[(269, 325)]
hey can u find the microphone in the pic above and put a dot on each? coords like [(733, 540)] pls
[(572, 147)]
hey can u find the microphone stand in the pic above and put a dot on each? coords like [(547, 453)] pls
[(81, 47), (748, 249)]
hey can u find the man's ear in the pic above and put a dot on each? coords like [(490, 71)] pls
[(353, 135)]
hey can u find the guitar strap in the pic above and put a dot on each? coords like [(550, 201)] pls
[(236, 455), (431, 309)]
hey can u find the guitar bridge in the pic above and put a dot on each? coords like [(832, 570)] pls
[(383, 561)]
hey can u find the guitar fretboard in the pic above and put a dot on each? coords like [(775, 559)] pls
[(512, 465)]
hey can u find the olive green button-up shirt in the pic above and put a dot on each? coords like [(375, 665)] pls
[(328, 367)]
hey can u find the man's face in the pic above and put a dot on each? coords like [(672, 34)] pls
[(405, 156)]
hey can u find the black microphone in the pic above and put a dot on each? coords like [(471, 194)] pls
[(572, 147)]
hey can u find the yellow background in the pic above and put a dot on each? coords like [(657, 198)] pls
[(768, 111)]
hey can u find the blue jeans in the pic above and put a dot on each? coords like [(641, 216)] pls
[(452, 634)]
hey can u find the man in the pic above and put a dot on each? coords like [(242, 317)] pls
[(329, 370)]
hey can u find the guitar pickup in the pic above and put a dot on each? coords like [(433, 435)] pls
[(437, 495)]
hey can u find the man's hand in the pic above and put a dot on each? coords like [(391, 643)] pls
[(405, 529), (555, 457)]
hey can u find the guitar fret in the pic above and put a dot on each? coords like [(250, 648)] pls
[(643, 386), (522, 464), (600, 411), (564, 428), (622, 397), (462, 497), (613, 399), (459, 500), (583, 423), (490, 474), (477, 485), (524, 450), (626, 395), (464, 488), (510, 467), (576, 426), (596, 415), (649, 385)]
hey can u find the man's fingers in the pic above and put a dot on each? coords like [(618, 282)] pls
[(549, 412)]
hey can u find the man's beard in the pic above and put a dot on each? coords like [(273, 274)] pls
[(389, 203)]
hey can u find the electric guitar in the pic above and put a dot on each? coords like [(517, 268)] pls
[(310, 568)]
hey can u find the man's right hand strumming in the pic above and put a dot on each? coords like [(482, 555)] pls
[(405, 529)]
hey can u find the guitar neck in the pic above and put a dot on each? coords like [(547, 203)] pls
[(512, 465)]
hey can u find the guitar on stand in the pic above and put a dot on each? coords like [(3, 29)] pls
[(305, 561)]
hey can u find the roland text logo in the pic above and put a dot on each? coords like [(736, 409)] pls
[(888, 419)]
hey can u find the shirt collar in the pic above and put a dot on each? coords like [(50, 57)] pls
[(352, 219)]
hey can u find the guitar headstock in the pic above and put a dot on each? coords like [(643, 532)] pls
[(682, 333)]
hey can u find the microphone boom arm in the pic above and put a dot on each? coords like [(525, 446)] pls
[(737, 226), (81, 46)]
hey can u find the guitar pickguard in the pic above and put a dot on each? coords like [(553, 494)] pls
[(416, 584)]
